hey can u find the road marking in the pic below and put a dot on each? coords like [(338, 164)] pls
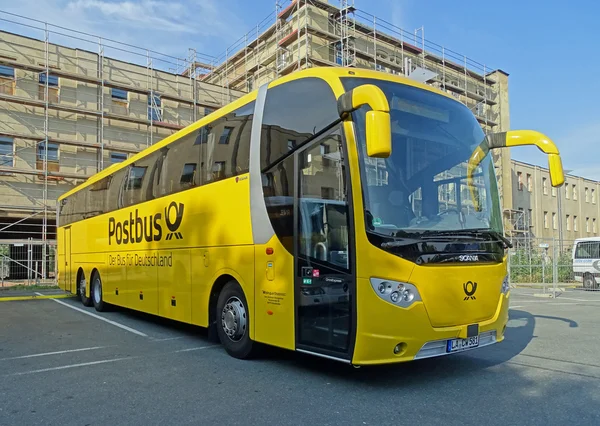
[(64, 367), (53, 353), (116, 324), (196, 349), (579, 300), (37, 296), (167, 339), (513, 307)]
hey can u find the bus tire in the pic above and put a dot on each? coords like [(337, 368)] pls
[(81, 285), (233, 322), (589, 282), (96, 293)]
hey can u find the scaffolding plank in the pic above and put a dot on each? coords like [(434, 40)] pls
[(40, 173), (106, 83), (84, 111), (70, 142)]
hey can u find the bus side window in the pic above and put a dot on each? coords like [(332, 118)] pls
[(98, 197), (294, 112), (114, 190), (227, 147), (181, 158)]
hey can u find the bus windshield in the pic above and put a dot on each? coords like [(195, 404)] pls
[(422, 188)]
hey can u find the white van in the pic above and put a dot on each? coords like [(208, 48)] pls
[(586, 262)]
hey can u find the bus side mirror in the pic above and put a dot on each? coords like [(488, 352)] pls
[(378, 132), (531, 137), (516, 138)]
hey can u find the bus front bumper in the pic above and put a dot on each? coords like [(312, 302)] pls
[(388, 334)]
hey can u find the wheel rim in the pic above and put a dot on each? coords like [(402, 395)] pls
[(97, 291), (233, 319)]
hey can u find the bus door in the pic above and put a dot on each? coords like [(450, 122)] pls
[(67, 258), (324, 272)]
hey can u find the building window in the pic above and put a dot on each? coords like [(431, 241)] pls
[(7, 80), (520, 180), (568, 223), (135, 177), (553, 190), (594, 229), (52, 152), (587, 224), (529, 183), (567, 191), (224, 138), (154, 108), (52, 88), (118, 94), (593, 196), (6, 152), (554, 224), (530, 218), (189, 174), (546, 220), (575, 223), (7, 71), (52, 80), (587, 195), (545, 185), (574, 192), (208, 111), (117, 157)]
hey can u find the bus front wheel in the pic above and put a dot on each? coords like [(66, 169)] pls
[(233, 323)]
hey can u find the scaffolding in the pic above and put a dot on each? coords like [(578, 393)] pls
[(68, 98), (306, 33)]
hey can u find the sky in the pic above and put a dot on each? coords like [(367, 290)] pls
[(548, 48)]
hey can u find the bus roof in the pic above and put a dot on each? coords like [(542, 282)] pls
[(323, 72)]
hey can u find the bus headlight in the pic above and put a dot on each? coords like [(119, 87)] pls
[(505, 286), (395, 292)]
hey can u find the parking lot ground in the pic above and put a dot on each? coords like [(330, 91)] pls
[(62, 363)]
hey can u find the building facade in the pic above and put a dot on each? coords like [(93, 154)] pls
[(543, 212), (67, 113)]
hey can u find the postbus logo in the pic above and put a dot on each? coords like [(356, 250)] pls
[(470, 288), (147, 228)]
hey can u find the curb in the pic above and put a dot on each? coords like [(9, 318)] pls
[(33, 297)]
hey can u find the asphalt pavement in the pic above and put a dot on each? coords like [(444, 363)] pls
[(64, 364)]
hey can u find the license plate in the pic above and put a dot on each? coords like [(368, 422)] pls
[(457, 345)]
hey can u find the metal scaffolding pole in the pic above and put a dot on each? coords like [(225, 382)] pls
[(101, 118), (149, 86), (45, 197)]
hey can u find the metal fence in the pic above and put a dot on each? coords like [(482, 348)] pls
[(22, 263), (552, 263)]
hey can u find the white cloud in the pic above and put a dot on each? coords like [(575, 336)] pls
[(170, 27)]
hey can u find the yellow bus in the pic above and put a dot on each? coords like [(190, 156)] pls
[(345, 213)]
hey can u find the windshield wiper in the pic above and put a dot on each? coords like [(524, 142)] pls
[(467, 234)]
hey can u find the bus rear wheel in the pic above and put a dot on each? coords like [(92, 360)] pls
[(233, 325), (96, 293), (589, 282), (86, 301)]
